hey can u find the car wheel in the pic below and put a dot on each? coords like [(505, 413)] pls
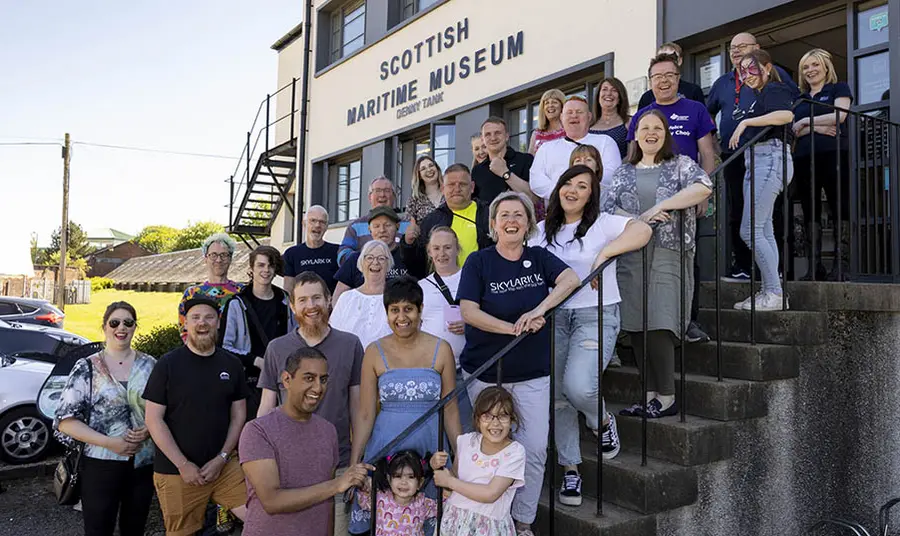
[(24, 436)]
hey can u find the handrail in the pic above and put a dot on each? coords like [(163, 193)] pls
[(439, 405)]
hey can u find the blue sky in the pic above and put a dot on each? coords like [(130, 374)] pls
[(175, 75)]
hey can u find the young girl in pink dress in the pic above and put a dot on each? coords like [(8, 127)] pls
[(402, 507), (490, 466)]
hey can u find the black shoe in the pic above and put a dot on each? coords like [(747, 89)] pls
[(634, 411), (737, 275), (655, 411), (570, 492), (695, 334)]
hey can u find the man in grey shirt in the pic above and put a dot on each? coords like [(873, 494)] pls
[(310, 301)]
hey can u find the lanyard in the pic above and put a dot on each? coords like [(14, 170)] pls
[(737, 91)]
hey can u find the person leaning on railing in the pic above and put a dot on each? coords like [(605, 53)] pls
[(819, 82), (583, 237), (770, 108), (654, 184), (505, 291)]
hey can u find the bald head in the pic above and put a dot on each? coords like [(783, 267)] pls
[(741, 45)]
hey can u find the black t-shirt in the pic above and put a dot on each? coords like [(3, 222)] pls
[(774, 96), (197, 392), (829, 93), (350, 275), (272, 315), (488, 186), (688, 90), (321, 260)]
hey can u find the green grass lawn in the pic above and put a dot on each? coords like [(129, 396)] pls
[(153, 308)]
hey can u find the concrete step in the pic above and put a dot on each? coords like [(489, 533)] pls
[(802, 328), (813, 295), (742, 361), (654, 488), (728, 400), (696, 441), (583, 521)]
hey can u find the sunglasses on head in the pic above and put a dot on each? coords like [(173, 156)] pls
[(129, 323)]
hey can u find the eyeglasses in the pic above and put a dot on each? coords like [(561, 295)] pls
[(218, 256), (659, 77), (381, 190), (115, 322), (373, 258), (743, 47), (487, 418)]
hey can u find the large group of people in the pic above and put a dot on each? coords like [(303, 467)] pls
[(275, 406)]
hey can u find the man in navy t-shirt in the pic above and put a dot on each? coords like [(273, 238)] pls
[(314, 255)]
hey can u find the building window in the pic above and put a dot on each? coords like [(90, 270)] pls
[(348, 30), (408, 8), (444, 144), (519, 128), (347, 181)]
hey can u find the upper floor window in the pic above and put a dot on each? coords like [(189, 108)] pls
[(348, 30), (345, 183), (402, 10)]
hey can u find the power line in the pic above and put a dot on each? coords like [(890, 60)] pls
[(151, 150), (20, 143)]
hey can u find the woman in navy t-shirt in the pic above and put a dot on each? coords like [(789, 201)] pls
[(819, 83), (504, 291)]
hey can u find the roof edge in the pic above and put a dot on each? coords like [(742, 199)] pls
[(288, 38)]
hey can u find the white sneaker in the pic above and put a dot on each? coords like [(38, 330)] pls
[(769, 301), (745, 304)]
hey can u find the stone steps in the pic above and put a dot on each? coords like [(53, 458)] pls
[(791, 328), (583, 521), (811, 296), (742, 361)]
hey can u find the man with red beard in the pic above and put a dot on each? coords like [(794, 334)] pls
[(310, 302), (196, 407)]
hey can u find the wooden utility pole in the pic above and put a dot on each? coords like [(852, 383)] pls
[(64, 231)]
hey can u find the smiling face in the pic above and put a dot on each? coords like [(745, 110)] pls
[(316, 224), (310, 306), (218, 260), (651, 134), (428, 172), (552, 108), (404, 318), (404, 483), (511, 222), (753, 74), (608, 96), (495, 424), (381, 193), (375, 264), (495, 137), (119, 337), (201, 323), (262, 270), (479, 151), (306, 388), (576, 118), (383, 228), (814, 71), (443, 250), (575, 193), (664, 79)]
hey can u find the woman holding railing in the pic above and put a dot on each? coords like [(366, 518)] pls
[(655, 184), (765, 166), (404, 374), (819, 82), (505, 291)]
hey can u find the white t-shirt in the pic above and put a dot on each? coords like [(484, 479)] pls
[(434, 309), (479, 468), (552, 160), (581, 257), (361, 315)]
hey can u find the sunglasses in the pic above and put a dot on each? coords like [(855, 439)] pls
[(129, 323)]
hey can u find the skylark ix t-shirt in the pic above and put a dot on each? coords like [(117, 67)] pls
[(321, 260)]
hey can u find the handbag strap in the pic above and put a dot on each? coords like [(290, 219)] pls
[(254, 319), (443, 289)]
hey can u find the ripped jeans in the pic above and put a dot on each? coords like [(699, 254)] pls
[(577, 375)]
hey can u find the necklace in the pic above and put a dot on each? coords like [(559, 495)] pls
[(641, 165), (121, 361)]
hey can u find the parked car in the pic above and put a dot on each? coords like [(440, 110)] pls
[(28, 355), (30, 311)]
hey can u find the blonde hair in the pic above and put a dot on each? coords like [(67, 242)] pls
[(587, 150), (543, 122), (824, 58), (418, 185), (367, 249)]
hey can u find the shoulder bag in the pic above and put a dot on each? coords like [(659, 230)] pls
[(66, 485)]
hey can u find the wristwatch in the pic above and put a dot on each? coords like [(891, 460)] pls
[(507, 175), (224, 456)]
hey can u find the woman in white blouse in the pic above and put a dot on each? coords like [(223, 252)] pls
[(360, 311), (440, 310)]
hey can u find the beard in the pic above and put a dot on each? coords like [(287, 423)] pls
[(315, 326), (202, 343)]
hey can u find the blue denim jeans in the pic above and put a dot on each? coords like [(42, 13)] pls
[(576, 373), (769, 169)]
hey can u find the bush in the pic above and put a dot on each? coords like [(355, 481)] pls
[(101, 283), (160, 341)]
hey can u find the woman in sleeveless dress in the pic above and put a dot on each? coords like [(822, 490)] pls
[(407, 372)]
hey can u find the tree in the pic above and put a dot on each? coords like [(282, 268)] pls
[(192, 236), (157, 238), (38, 255), (77, 245)]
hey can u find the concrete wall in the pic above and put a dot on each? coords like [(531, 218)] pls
[(827, 448), (290, 66), (681, 18)]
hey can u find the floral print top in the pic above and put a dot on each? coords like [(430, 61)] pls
[(106, 406), (675, 175), (392, 519), (420, 206)]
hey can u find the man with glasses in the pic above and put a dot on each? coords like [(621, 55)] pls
[(728, 96), (692, 130), (384, 224), (686, 89), (552, 159), (315, 254), (505, 168), (381, 194), (218, 251), (467, 217)]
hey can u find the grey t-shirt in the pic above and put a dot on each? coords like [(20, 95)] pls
[(344, 353)]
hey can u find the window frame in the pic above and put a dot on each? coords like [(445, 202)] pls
[(337, 45), (336, 202)]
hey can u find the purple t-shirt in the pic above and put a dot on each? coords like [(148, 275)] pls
[(688, 122), (306, 454)]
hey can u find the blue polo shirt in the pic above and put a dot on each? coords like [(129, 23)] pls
[(722, 99), (829, 93), (507, 290)]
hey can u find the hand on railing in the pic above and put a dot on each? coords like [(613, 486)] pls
[(354, 477)]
